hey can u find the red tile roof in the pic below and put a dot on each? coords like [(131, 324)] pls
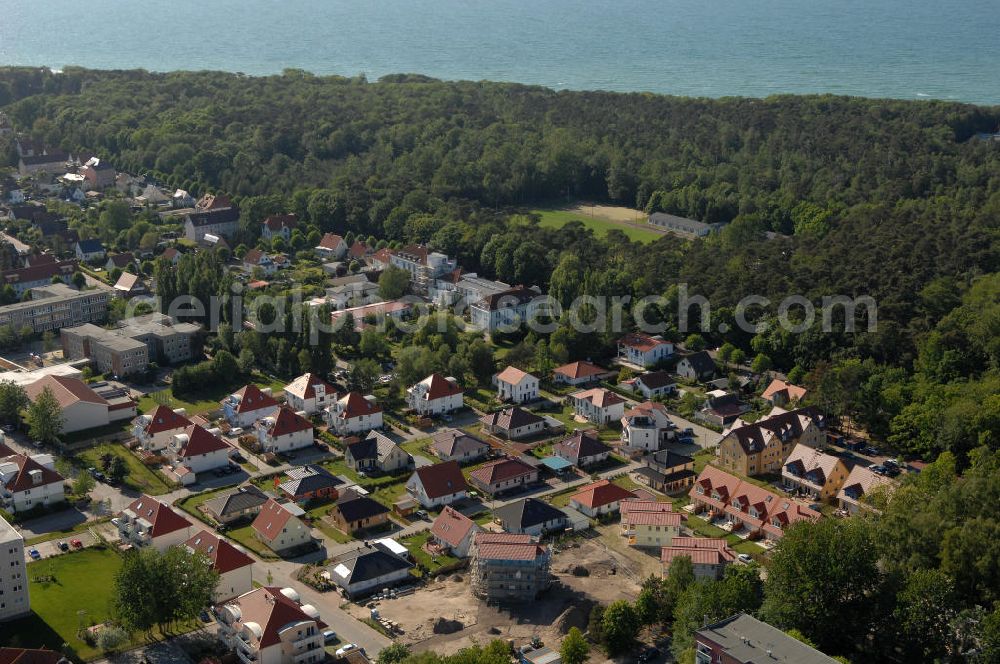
[(331, 241), (788, 390), (439, 387), (599, 397), (575, 370), (506, 546), (272, 518), (452, 526), (200, 441), (22, 481), (163, 519), (356, 405), (29, 656), (252, 398), (701, 550), (286, 421), (224, 556), (601, 493), (67, 390), (273, 611), (512, 375), (278, 221), (165, 419), (641, 342), (442, 479)]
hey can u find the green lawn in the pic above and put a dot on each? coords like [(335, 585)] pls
[(139, 477), (191, 503), (550, 218), (246, 538), (418, 447), (206, 400), (415, 545), (79, 593), (704, 529)]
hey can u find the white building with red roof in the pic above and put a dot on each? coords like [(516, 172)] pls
[(709, 556), (249, 404), (234, 566), (354, 413), (643, 350), (284, 431), (648, 523), (435, 395), (438, 484), (598, 405), (453, 532), (28, 482), (781, 393), (272, 626), (309, 394), (601, 497), (516, 385), (646, 427), (156, 430), (578, 373), (278, 225), (148, 522), (199, 450), (331, 247), (279, 529)]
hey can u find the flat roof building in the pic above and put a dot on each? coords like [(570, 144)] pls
[(56, 306)]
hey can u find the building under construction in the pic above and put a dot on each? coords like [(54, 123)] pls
[(508, 568)]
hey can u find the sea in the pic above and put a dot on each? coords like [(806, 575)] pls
[(905, 49)]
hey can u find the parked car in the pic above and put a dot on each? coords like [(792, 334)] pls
[(76, 544), (745, 558), (34, 554), (346, 648), (422, 514), (63, 546), (329, 636), (872, 451), (649, 654)]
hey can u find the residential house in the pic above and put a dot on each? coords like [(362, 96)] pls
[(130, 285), (278, 528), (453, 532), (51, 163), (809, 472), (310, 482), (861, 483), (601, 497), (199, 450), (507, 311), (654, 384), (502, 476), (257, 259), (667, 471), (214, 215), (375, 314), (354, 413), (647, 427), (423, 265), (762, 447), (29, 482), (582, 449), (508, 567), (82, 407), (709, 556), (247, 405), (14, 583), (376, 453), (181, 199), (120, 261), (471, 288), (41, 274), (233, 565), (368, 568), (598, 405), (309, 394), (90, 251), (744, 506), (722, 408), (435, 395), (530, 516), (284, 431), (643, 350), (351, 295), (271, 626), (578, 373), (696, 366), (513, 423), (781, 394), (154, 431), (354, 511), (148, 522), (516, 385), (438, 484), (456, 445), (742, 639), (98, 174), (649, 524), (331, 247), (682, 226), (278, 225), (243, 503)]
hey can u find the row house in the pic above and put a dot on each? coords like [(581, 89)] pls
[(648, 523), (284, 431), (435, 395), (354, 413), (813, 473), (643, 350), (747, 507), (856, 493), (646, 427), (762, 447), (709, 556), (39, 275)]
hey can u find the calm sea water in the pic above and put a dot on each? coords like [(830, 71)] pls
[(906, 49)]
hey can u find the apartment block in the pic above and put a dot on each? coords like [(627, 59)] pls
[(56, 306), (130, 347), (14, 601)]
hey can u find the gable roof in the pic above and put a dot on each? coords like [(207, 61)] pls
[(163, 419), (90, 246), (227, 215), (512, 376), (224, 556), (736, 496), (67, 390), (576, 370), (528, 512), (601, 493), (641, 342), (599, 397), (372, 562), (330, 241), (452, 527), (656, 379), (354, 404), (439, 387), (201, 441), (501, 470), (162, 519), (785, 425), (860, 482), (805, 460), (701, 362), (355, 507), (452, 442), (506, 546), (245, 498), (251, 398), (276, 222), (510, 418), (128, 282), (304, 387), (122, 260), (30, 656), (272, 611), (22, 480), (309, 479), (581, 445), (272, 519), (285, 422), (787, 390), (441, 479), (701, 550), (214, 202)]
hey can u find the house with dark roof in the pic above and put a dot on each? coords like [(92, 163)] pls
[(243, 503), (120, 261), (508, 310), (682, 225), (354, 511), (742, 639), (452, 532), (513, 423), (457, 445), (148, 522), (438, 484), (90, 251), (376, 453), (722, 408), (29, 481), (667, 471), (654, 384), (279, 528), (530, 516), (503, 476), (696, 366), (582, 449), (368, 568), (217, 222), (310, 482), (230, 562)]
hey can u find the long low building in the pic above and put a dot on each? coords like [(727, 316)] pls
[(85, 406), (133, 344), (56, 306)]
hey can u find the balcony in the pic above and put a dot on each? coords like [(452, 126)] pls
[(246, 657)]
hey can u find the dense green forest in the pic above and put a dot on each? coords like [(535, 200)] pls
[(891, 199)]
